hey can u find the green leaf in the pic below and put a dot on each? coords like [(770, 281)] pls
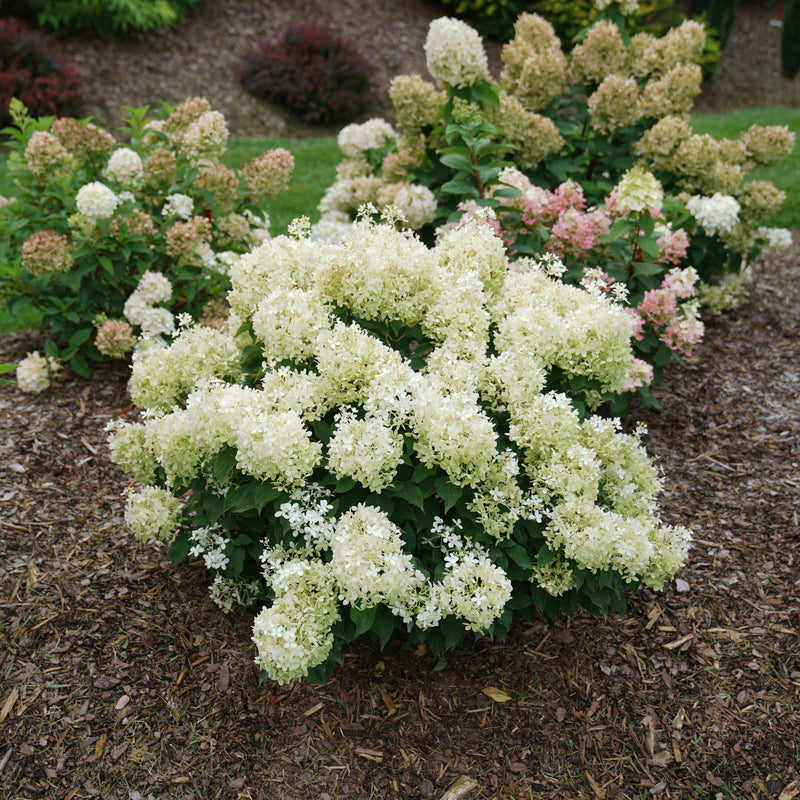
[(80, 367), (384, 624), (179, 548), (362, 619), (213, 505), (413, 494), (80, 337), (50, 348), (224, 463), (449, 493), (265, 493), (646, 268), (457, 161), (235, 561)]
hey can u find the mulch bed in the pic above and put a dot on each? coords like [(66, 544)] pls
[(120, 680)]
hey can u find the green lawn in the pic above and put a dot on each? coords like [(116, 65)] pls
[(785, 175)]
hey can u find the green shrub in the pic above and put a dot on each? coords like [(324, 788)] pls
[(109, 17)]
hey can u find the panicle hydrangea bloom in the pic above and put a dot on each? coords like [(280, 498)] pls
[(614, 104), (154, 287), (380, 275), (473, 589), (370, 565), (226, 593), (294, 634), (759, 200), (355, 139), (34, 372), (366, 450), (269, 174), (534, 66), (415, 203), (124, 166), (183, 115), (717, 214), (349, 194), (766, 145), (673, 93), (206, 138), (46, 253), (153, 514), (44, 153), (127, 444), (160, 377), (178, 205), (80, 138), (775, 239), (115, 338), (189, 240), (288, 322), (533, 136), (416, 101), (96, 201), (158, 169), (221, 182), (639, 190), (600, 55), (454, 53), (681, 45)]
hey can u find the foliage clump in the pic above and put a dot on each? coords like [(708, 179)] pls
[(312, 72), (101, 236), (32, 70), (108, 18)]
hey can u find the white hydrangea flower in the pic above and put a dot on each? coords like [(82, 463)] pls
[(153, 514), (717, 214), (34, 372), (776, 239), (356, 138), (369, 564), (125, 166), (454, 53), (178, 205), (96, 201), (639, 190)]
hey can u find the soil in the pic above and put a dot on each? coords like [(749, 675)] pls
[(120, 680)]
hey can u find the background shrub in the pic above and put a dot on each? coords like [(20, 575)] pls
[(311, 72), (495, 19), (32, 70), (107, 18)]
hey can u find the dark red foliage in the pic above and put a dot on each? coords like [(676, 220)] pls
[(32, 70), (310, 71)]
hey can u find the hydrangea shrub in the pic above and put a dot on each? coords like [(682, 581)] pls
[(377, 442), (559, 147), (92, 217)]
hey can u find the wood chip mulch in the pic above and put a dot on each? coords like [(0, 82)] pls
[(120, 680)]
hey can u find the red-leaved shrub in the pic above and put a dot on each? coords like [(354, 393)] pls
[(32, 70), (310, 71)]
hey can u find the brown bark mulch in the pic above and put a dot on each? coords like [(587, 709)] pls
[(120, 680)]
